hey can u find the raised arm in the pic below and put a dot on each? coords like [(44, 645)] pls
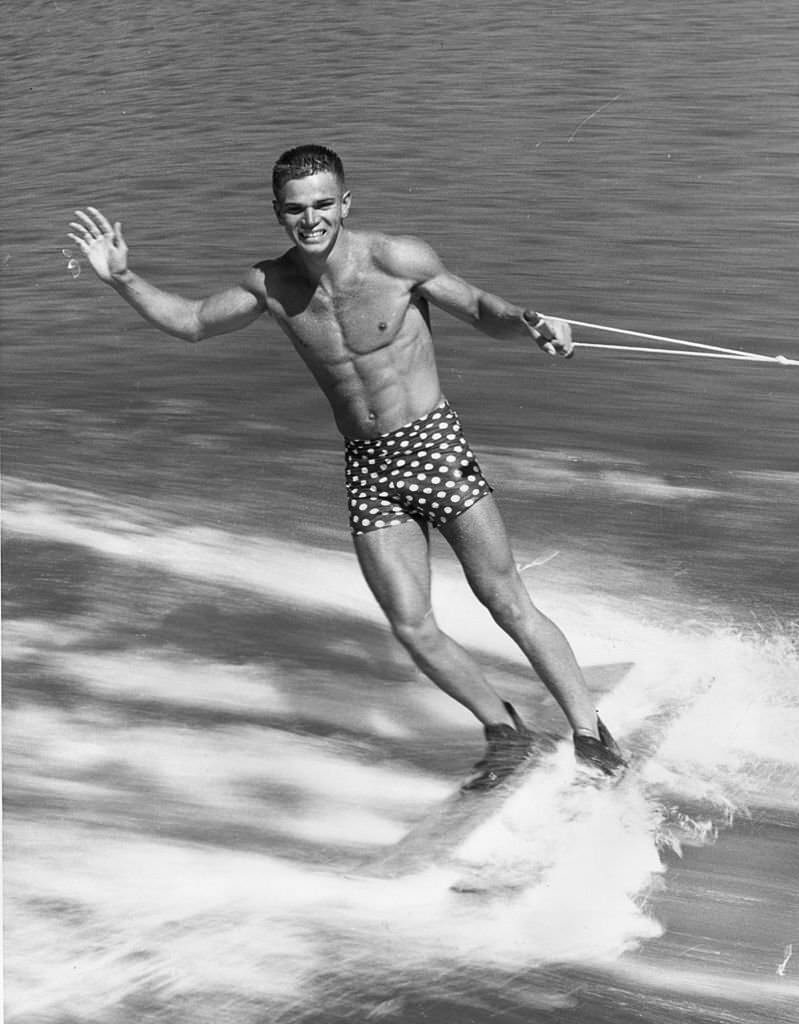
[(189, 319), (489, 313)]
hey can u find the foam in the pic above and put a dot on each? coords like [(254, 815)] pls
[(109, 903)]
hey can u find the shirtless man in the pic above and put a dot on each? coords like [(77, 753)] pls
[(355, 306)]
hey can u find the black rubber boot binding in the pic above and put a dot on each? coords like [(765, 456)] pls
[(508, 748), (602, 753)]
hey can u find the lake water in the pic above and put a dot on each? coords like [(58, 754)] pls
[(205, 724)]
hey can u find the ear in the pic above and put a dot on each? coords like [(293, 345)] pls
[(346, 200), (276, 208)]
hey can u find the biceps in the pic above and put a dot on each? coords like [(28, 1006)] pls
[(228, 311), (453, 294)]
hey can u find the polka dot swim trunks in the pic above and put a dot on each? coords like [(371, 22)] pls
[(424, 471)]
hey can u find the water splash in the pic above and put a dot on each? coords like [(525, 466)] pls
[(73, 264), (183, 824)]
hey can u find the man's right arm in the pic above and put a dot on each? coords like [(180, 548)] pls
[(189, 319)]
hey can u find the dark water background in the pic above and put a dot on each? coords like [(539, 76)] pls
[(632, 165), (671, 211)]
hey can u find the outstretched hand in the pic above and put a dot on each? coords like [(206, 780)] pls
[(552, 335), (102, 244)]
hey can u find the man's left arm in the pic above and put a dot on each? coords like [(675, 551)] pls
[(489, 313)]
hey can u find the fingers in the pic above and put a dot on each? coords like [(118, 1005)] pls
[(558, 348), (556, 337), (91, 226), (552, 335), (87, 225), (103, 221), (566, 346)]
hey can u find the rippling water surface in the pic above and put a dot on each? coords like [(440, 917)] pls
[(206, 728)]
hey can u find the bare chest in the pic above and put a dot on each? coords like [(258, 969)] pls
[(360, 315)]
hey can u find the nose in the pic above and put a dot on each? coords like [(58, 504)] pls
[(308, 216)]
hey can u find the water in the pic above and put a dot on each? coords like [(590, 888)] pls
[(206, 727)]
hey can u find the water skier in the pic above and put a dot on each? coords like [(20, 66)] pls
[(355, 306)]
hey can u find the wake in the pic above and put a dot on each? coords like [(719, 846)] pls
[(184, 826)]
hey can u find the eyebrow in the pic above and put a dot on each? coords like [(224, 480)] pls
[(316, 202)]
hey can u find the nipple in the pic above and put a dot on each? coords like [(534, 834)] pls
[(382, 325)]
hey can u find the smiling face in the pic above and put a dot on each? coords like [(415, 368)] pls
[(312, 210)]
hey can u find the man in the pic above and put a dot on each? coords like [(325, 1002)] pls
[(355, 306)]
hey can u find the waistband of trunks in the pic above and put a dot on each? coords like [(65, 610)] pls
[(408, 430)]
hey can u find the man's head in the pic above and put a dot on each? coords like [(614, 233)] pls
[(303, 161), (311, 201)]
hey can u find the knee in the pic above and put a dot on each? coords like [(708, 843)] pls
[(507, 600), (416, 634)]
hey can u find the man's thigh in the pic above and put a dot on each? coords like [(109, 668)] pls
[(479, 539), (395, 562)]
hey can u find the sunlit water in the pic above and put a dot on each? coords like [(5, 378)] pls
[(207, 730)]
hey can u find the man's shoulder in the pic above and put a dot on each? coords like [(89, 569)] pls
[(273, 269), (274, 264), (402, 255)]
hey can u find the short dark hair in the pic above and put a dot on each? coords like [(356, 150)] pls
[(303, 161)]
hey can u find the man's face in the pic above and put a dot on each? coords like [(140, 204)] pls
[(312, 210)]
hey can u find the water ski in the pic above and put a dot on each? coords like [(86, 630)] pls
[(493, 865), (435, 838)]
